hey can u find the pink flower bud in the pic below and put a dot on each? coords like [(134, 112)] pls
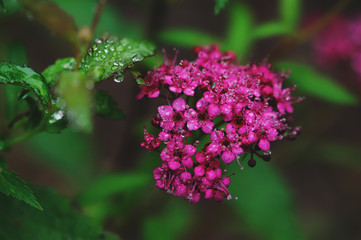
[(179, 104), (211, 175), (173, 165), (187, 162), (264, 144), (181, 190), (227, 157), (208, 194), (199, 171), (185, 176)]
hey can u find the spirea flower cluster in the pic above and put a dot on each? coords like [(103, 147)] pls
[(239, 109), (340, 41)]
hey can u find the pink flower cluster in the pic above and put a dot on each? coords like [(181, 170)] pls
[(340, 40), (240, 108)]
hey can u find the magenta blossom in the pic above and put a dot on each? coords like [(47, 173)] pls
[(240, 109), (340, 41)]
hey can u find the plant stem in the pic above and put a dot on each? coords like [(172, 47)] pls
[(34, 130), (87, 41)]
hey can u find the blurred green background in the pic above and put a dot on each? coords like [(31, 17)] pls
[(310, 189)]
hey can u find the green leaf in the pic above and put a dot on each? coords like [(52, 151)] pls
[(57, 122), (220, 4), (54, 18), (170, 223), (51, 73), (264, 202), (74, 89), (186, 37), (27, 79), (58, 221), (239, 31), (75, 163), (316, 84), (270, 29), (112, 184), (112, 19), (35, 114), (290, 11), (2, 6), (111, 57), (106, 106), (11, 7), (11, 184)]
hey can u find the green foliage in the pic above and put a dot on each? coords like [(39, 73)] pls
[(11, 184), (269, 29), (220, 4), (10, 7), (70, 153), (264, 202), (51, 73), (106, 106), (186, 37), (56, 122), (74, 89), (111, 57), (111, 20), (58, 221), (170, 223), (290, 11), (110, 185), (239, 29), (26, 78), (313, 83), (2, 6)]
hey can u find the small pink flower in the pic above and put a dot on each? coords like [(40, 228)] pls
[(237, 107)]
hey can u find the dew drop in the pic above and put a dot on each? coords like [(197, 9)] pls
[(119, 77), (137, 57)]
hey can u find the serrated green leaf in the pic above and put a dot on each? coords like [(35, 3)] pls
[(26, 78), (170, 223), (51, 73), (186, 37), (12, 185), (106, 106), (316, 84), (270, 29), (264, 202), (111, 57), (110, 185), (74, 89), (58, 221), (239, 31), (220, 4), (290, 11)]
